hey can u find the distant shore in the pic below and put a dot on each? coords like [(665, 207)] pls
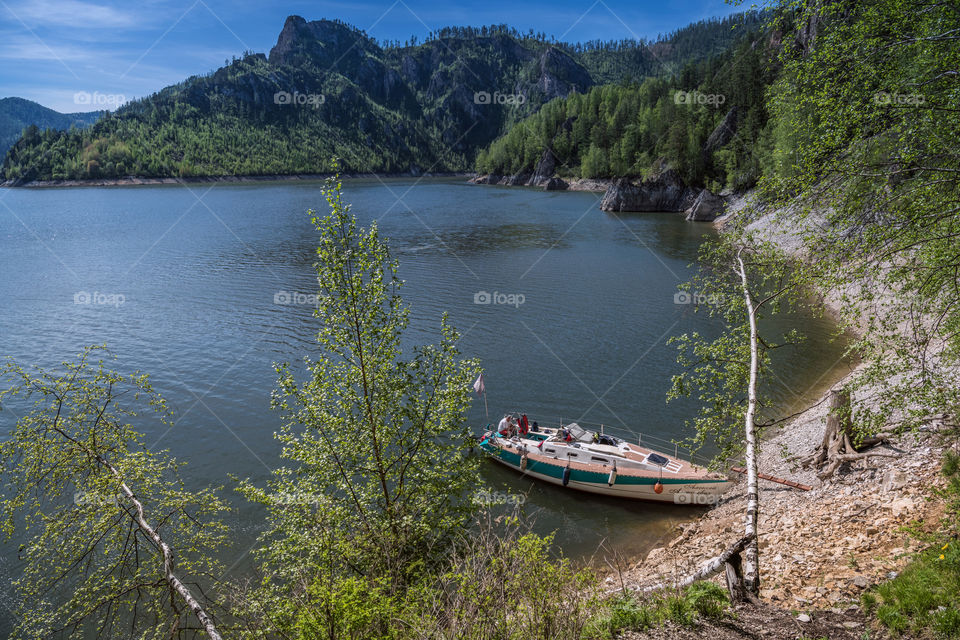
[(137, 181), (597, 185)]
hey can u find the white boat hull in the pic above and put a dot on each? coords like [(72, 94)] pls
[(705, 490)]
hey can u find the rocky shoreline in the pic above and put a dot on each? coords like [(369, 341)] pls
[(138, 181), (820, 548), (664, 192)]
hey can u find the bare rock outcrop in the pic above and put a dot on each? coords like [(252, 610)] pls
[(706, 207), (544, 169), (724, 132), (665, 192), (490, 178), (516, 180)]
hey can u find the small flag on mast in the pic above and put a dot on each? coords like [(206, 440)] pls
[(478, 386)]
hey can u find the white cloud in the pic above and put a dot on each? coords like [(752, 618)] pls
[(72, 13), (28, 47)]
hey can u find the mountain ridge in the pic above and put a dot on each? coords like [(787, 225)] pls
[(327, 89), (16, 114)]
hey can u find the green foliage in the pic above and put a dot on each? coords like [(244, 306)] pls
[(925, 597), (863, 133), (385, 109), (623, 613), (350, 607), (630, 129), (626, 61), (707, 599), (497, 580), (507, 585), (17, 114), (378, 437), (88, 567)]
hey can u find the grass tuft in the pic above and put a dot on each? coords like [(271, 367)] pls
[(634, 612), (926, 595)]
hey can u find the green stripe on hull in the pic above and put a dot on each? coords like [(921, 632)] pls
[(579, 475)]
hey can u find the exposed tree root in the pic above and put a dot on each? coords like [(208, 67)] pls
[(837, 447)]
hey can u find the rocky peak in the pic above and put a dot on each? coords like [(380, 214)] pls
[(322, 42), (325, 46)]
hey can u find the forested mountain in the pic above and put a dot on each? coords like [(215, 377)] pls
[(706, 121), (628, 61), (16, 114), (327, 89)]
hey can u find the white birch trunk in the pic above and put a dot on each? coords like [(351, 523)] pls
[(714, 565), (751, 556), (166, 553), (175, 583)]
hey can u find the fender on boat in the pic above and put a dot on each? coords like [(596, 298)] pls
[(566, 475), (613, 477)]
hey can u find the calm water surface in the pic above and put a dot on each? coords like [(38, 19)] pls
[(201, 271)]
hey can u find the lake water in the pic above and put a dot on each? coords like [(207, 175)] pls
[(582, 305)]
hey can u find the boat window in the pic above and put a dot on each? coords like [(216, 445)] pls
[(572, 455), (658, 460), (596, 459), (551, 450)]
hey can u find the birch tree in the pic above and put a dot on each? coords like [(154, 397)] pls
[(741, 279), (112, 542), (751, 565)]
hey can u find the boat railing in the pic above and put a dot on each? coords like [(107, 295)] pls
[(642, 439)]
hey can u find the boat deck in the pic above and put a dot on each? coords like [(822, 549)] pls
[(676, 469)]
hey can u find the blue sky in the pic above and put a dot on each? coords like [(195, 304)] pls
[(80, 55)]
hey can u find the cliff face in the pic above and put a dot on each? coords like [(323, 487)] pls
[(322, 47), (665, 192), (468, 89), (556, 75)]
